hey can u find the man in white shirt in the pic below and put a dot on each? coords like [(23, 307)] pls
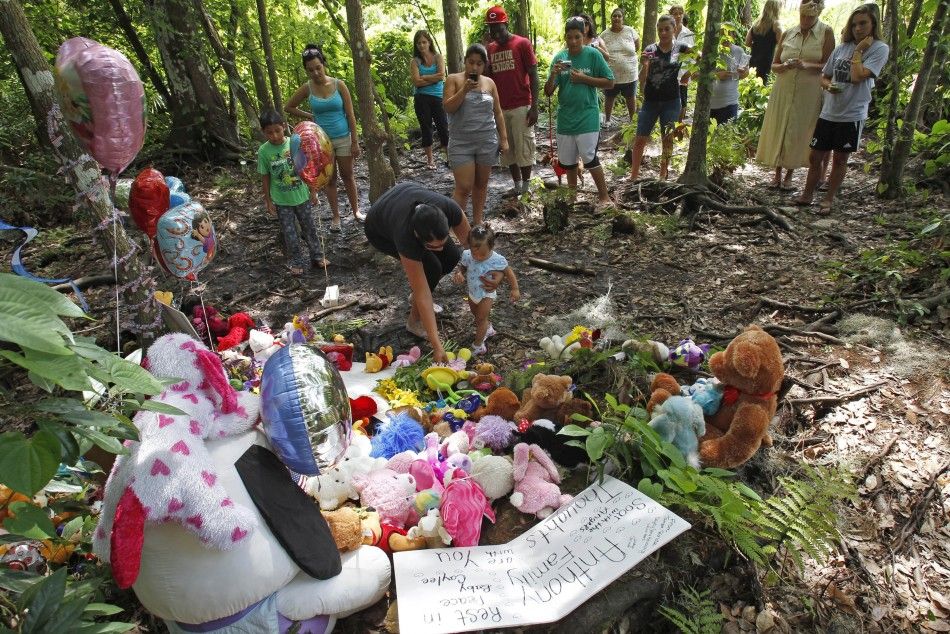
[(682, 35)]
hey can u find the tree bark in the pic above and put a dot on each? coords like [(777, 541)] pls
[(890, 184), (649, 21), (82, 171), (695, 171), (454, 48), (264, 99), (933, 110), (890, 130), (226, 58), (200, 121), (381, 175), (269, 55), (521, 19), (914, 20), (125, 23)]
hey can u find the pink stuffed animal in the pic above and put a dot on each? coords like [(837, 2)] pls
[(409, 358), (536, 482), (392, 494), (462, 507)]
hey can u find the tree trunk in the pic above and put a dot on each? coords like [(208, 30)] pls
[(381, 175), (92, 190), (125, 23), (931, 111), (251, 50), (695, 171), (914, 20), (454, 47), (890, 185), (649, 22), (226, 57), (521, 19), (200, 122), (269, 55), (894, 85)]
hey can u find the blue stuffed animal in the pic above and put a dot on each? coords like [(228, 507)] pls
[(707, 393), (679, 420)]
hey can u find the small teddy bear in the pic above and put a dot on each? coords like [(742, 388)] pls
[(391, 494), (502, 402), (536, 482), (550, 397), (485, 378), (335, 485), (345, 526)]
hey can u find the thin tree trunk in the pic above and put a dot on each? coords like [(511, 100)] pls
[(269, 55), (603, 15), (521, 19), (454, 48), (914, 20), (425, 20), (381, 176), (226, 58), (125, 23), (695, 171), (136, 285), (649, 21), (933, 109), (264, 99), (890, 185), (894, 85)]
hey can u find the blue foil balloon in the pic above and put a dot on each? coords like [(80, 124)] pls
[(178, 198), (174, 184), (185, 241), (305, 409)]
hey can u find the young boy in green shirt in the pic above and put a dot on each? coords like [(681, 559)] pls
[(286, 196)]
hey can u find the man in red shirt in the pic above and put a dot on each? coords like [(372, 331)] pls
[(513, 66)]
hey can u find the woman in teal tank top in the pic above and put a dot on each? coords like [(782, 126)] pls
[(428, 73), (332, 109)]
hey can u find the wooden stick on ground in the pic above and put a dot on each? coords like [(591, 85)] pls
[(920, 509), (841, 398), (876, 458), (320, 314), (560, 268)]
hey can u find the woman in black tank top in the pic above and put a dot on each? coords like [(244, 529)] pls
[(762, 38)]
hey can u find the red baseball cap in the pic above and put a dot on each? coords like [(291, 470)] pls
[(496, 15)]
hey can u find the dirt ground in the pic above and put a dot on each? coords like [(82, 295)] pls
[(867, 393)]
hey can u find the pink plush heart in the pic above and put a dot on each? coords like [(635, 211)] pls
[(181, 387), (181, 447), (237, 534), (190, 397), (159, 467), (164, 421), (227, 502), (209, 478), (195, 520), (175, 505)]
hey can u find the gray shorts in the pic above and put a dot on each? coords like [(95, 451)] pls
[(462, 152)]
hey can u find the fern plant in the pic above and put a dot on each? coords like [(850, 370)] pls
[(698, 613)]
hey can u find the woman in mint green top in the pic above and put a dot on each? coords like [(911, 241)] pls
[(428, 73), (332, 109)]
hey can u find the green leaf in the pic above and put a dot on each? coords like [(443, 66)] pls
[(66, 371), (76, 412), (42, 600), (40, 295), (68, 614), (73, 526), (746, 491), (596, 444), (573, 430), (68, 447), (718, 473), (104, 441), (102, 609), (131, 377), (686, 485), (651, 489), (161, 408), (30, 521), (26, 465), (103, 628), (17, 581)]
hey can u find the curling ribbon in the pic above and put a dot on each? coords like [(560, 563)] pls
[(18, 268)]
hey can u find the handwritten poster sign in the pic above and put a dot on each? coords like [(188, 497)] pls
[(542, 575)]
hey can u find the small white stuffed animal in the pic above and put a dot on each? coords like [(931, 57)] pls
[(554, 347), (335, 486), (495, 474)]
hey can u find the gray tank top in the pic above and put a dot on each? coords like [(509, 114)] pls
[(475, 118)]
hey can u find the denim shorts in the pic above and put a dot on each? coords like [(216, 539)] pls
[(666, 111)]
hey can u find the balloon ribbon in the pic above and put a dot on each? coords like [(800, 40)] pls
[(16, 264)]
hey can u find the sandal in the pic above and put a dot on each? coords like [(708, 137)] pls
[(359, 216), (335, 226), (319, 264), (295, 271)]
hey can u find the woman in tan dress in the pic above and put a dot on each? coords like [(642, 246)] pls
[(796, 96)]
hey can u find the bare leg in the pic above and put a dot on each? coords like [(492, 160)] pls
[(777, 179), (608, 107), (787, 181), (464, 181), (480, 192), (598, 175), (639, 144), (839, 167), (482, 313), (333, 197), (572, 177), (345, 165), (515, 174), (665, 156), (815, 161), (429, 162)]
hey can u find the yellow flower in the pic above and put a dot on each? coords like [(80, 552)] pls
[(577, 333)]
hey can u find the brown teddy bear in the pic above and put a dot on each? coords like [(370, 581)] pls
[(346, 528), (751, 371), (484, 378), (502, 402), (550, 397)]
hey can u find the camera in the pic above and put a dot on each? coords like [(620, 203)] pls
[(566, 63)]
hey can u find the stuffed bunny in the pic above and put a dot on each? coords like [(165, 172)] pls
[(536, 482)]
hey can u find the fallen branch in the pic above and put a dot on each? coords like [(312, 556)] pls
[(87, 281), (702, 199), (877, 458), (841, 398), (560, 268), (799, 307), (320, 314), (772, 328), (920, 509)]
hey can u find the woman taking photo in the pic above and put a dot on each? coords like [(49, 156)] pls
[(476, 130), (762, 38), (847, 79), (332, 109), (622, 43), (428, 72), (796, 96)]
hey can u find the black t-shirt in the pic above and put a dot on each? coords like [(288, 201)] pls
[(662, 82), (390, 216)]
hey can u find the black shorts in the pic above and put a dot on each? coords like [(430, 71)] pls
[(684, 95), (628, 90), (840, 136)]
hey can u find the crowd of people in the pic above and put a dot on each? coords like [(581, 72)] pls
[(486, 114)]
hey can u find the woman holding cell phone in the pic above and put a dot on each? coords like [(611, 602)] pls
[(796, 96), (476, 130)]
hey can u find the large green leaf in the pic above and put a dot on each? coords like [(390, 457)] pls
[(40, 295), (103, 628), (161, 408), (27, 464), (16, 581), (42, 600), (30, 521), (67, 371), (104, 441), (76, 412), (102, 609), (131, 377)]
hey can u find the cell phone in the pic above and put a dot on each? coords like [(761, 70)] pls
[(649, 54), (566, 63), (473, 76)]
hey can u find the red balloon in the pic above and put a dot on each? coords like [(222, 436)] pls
[(148, 199)]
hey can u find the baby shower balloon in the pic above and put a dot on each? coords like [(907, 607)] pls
[(185, 240), (103, 99), (312, 153), (305, 408), (148, 200)]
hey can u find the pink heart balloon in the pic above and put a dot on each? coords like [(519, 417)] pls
[(103, 99)]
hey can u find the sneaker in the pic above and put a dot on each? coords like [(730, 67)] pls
[(417, 330), (490, 332), (479, 349)]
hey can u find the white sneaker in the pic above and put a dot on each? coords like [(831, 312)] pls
[(490, 332), (479, 349)]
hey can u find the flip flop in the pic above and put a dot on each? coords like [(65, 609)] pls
[(335, 226), (825, 208), (802, 203)]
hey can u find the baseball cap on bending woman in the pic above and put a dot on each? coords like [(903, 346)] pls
[(496, 15)]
